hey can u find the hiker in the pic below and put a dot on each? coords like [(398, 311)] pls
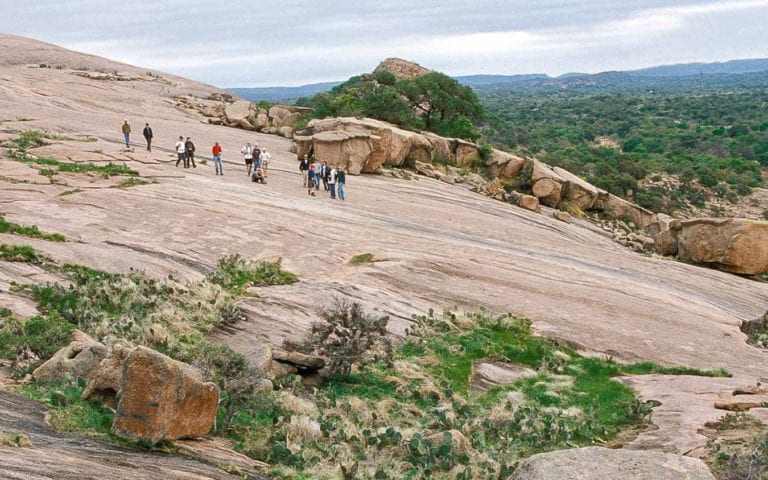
[(265, 159), (311, 180), (332, 182), (190, 149), (258, 175), (126, 133), (216, 151), (247, 152), (341, 179), (148, 137), (303, 168), (181, 150), (318, 174), (324, 172), (256, 156)]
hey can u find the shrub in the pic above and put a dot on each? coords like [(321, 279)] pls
[(25, 231), (361, 258), (22, 254), (349, 337), (234, 274)]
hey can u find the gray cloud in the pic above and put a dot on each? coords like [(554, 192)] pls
[(242, 43)]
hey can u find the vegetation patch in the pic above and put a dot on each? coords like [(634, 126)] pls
[(11, 439), (235, 274), (362, 259), (413, 414), (132, 182), (69, 192), (28, 231), (22, 254), (738, 446)]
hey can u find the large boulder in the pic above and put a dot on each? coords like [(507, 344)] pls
[(664, 230), (290, 120), (465, 152), (278, 112), (236, 111), (548, 186), (105, 380), (597, 463), (579, 191), (261, 122), (529, 202), (162, 399), (505, 165), (304, 145), (348, 150), (617, 207), (78, 359), (730, 244), (441, 147), (285, 131)]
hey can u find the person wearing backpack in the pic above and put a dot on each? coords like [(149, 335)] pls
[(341, 179), (189, 147)]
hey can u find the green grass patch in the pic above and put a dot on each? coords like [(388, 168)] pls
[(28, 231), (361, 259), (22, 254), (12, 439), (69, 413), (235, 274), (69, 192), (131, 182)]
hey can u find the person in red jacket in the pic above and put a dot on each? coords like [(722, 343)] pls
[(216, 150)]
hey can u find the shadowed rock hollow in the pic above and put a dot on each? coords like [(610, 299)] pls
[(439, 246)]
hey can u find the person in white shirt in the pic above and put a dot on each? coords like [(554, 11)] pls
[(332, 182), (181, 150), (247, 152), (265, 159)]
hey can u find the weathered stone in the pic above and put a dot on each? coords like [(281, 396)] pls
[(78, 359), (162, 399), (597, 463), (348, 150), (733, 245), (290, 120), (506, 165), (548, 186), (562, 216), (300, 360), (236, 111), (244, 124), (617, 207), (401, 69), (441, 147), (277, 113), (665, 243), (529, 202), (262, 121), (105, 380), (578, 190), (466, 153), (486, 374), (285, 131), (477, 182), (548, 191)]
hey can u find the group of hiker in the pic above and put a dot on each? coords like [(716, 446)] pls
[(314, 172), (257, 160)]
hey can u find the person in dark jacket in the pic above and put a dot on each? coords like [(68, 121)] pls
[(325, 172), (189, 147), (148, 137), (303, 168), (341, 179)]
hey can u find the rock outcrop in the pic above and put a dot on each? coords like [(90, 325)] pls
[(401, 69), (78, 359), (162, 399), (733, 245), (597, 463)]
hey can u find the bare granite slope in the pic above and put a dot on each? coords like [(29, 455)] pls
[(440, 246)]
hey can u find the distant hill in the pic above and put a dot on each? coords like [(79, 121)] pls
[(273, 94), (741, 73), (686, 69)]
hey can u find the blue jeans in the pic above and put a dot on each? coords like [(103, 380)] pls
[(217, 164), (332, 189), (341, 191), (127, 139)]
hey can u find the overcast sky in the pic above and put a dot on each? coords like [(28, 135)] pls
[(289, 42)]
